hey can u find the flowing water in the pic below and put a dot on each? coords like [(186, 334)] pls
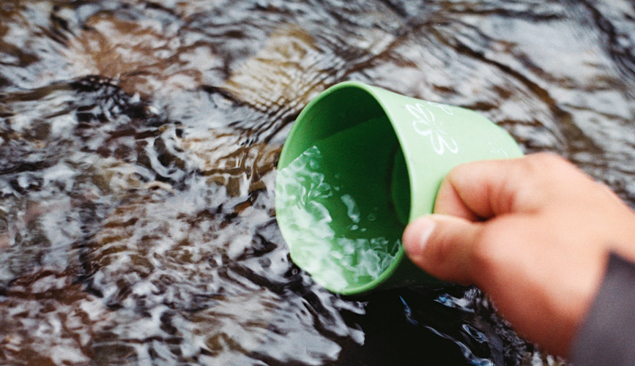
[(139, 142)]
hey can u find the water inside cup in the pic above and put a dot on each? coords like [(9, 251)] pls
[(336, 205)]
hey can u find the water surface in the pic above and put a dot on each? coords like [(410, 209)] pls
[(139, 142)]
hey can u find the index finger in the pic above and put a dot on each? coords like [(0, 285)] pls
[(484, 189)]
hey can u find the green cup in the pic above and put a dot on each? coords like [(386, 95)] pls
[(358, 165)]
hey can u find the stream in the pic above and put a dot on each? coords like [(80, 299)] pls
[(138, 149)]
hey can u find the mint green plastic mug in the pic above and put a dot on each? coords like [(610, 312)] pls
[(361, 162)]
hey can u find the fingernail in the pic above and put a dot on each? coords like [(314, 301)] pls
[(417, 235)]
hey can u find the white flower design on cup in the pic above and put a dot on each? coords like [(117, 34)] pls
[(428, 125), (441, 107), (497, 150)]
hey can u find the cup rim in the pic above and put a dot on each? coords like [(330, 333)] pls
[(387, 273)]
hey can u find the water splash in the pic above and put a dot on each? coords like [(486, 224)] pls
[(307, 199)]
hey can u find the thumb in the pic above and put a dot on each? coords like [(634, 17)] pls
[(442, 245)]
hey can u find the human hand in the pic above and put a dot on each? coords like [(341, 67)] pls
[(534, 233)]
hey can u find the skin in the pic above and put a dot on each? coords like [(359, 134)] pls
[(534, 233)]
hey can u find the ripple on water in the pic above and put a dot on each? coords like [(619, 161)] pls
[(139, 141)]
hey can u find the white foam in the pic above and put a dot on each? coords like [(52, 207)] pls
[(332, 260)]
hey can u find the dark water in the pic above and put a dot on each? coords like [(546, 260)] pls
[(139, 140)]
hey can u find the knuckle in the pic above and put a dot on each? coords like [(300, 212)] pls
[(441, 257), (488, 251), (547, 158), (439, 253), (546, 162)]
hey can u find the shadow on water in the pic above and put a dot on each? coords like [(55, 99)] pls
[(139, 141)]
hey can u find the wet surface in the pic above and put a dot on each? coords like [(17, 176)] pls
[(139, 140)]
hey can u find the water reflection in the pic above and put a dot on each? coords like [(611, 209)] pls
[(139, 141)]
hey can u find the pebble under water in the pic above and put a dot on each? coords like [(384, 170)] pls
[(138, 150)]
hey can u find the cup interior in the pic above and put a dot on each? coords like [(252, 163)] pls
[(343, 191)]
